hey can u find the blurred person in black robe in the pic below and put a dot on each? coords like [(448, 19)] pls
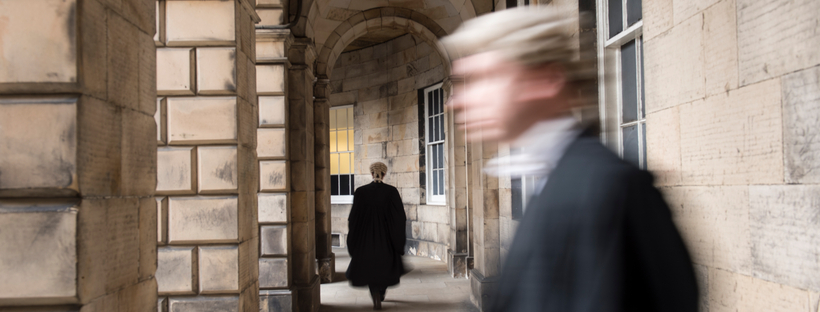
[(597, 235), (376, 236)]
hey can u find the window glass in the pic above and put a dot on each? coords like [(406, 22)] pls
[(341, 154), (630, 144), (643, 144), (629, 83), (633, 11), (434, 117), (615, 17), (643, 97)]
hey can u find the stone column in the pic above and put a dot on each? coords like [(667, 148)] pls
[(77, 155), (485, 210), (458, 251), (206, 170), (301, 181), (274, 213), (325, 258)]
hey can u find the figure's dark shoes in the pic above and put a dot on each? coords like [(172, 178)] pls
[(377, 304)]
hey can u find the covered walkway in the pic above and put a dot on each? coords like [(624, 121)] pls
[(427, 288)]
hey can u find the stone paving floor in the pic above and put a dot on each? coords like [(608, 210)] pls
[(427, 288)]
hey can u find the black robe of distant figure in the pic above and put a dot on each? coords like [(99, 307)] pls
[(376, 235), (599, 238)]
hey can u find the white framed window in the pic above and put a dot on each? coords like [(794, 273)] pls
[(341, 155), (434, 137), (620, 50)]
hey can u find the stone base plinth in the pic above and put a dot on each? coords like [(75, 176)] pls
[(327, 267), (307, 298), (275, 300), (482, 288), (457, 264)]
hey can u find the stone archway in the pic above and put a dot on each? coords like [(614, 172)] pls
[(426, 31)]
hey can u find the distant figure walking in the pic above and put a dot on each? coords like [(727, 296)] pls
[(376, 236)]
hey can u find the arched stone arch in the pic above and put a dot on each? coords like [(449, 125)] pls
[(360, 24)]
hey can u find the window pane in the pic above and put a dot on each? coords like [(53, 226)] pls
[(440, 155), (350, 140), (633, 11), (350, 118), (334, 163), (341, 138), (332, 118), (332, 141), (643, 97), (430, 104), (433, 162), (441, 100), (517, 198), (344, 163), (341, 119), (615, 17), (352, 184), (435, 183), (441, 182), (334, 185), (431, 130), (643, 141), (440, 127), (629, 82), (344, 184), (630, 144)]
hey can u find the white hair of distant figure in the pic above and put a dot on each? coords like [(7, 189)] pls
[(378, 170), (530, 36)]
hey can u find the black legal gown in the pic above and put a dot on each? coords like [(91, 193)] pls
[(598, 238), (376, 236)]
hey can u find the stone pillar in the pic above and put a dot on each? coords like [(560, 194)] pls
[(274, 213), (459, 248), (301, 181), (77, 155), (206, 168), (325, 258), (485, 211)]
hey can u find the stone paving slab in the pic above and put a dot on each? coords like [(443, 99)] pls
[(427, 288)]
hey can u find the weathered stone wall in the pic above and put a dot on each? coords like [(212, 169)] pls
[(731, 93), (382, 82), (77, 155), (206, 117)]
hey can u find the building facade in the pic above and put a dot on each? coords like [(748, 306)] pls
[(186, 155)]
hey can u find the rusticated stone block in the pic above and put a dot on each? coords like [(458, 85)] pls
[(39, 149), (720, 47), (733, 138), (272, 175), (784, 234), (38, 254), (270, 50), (199, 22), (275, 300), (216, 70), (175, 270), (270, 16), (218, 269), (202, 219), (271, 110), (663, 146), (40, 41), (272, 207), (776, 37), (174, 74), (674, 70), (273, 272), (274, 240), (270, 79), (201, 120), (270, 143), (801, 93), (175, 174), (204, 304), (217, 169), (730, 291)]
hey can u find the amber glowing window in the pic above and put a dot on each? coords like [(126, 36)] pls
[(342, 166)]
